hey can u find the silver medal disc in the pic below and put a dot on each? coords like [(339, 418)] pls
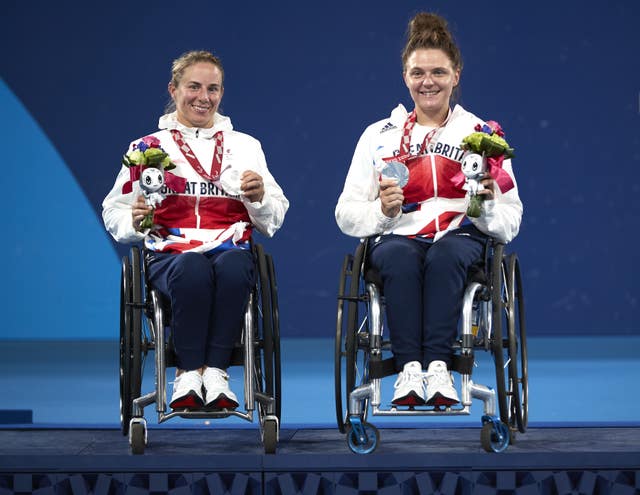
[(396, 170), (230, 181)]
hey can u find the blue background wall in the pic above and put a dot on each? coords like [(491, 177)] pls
[(80, 81)]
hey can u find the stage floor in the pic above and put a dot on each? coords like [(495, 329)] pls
[(59, 431), (324, 449), (309, 461)]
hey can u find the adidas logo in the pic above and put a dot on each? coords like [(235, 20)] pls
[(387, 127)]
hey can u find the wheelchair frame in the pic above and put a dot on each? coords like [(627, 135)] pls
[(144, 311), (492, 320)]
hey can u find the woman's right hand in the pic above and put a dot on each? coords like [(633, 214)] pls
[(391, 197), (139, 210)]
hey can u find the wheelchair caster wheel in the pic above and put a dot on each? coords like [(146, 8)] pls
[(137, 436), (270, 436), (494, 436), (362, 438)]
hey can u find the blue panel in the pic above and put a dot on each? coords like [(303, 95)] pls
[(16, 416), (60, 271)]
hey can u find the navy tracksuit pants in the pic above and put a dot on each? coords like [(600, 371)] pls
[(424, 285), (209, 294)]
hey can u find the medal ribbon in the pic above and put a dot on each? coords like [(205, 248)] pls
[(216, 163), (405, 140)]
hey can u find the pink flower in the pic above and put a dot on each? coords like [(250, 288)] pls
[(151, 141), (495, 127)]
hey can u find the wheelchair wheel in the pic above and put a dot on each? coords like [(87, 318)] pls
[(277, 367), (494, 437), (518, 360), (364, 445), (138, 438), (270, 436), (508, 343), (130, 336), (268, 370), (346, 341)]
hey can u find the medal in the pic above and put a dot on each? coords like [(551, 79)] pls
[(396, 170)]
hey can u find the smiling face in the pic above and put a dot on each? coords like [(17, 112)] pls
[(198, 94), (430, 77)]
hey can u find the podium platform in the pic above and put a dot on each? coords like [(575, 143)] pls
[(586, 460)]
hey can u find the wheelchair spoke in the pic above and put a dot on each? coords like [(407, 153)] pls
[(363, 325)]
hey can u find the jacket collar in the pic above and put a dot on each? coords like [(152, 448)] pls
[(169, 122), (399, 115)]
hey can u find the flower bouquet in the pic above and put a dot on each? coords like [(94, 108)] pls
[(148, 154), (486, 150)]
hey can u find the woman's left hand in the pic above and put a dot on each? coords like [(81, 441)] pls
[(252, 186)]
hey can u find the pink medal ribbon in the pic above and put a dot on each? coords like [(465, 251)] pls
[(405, 140), (216, 163)]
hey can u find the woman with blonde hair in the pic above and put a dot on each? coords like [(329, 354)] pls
[(198, 237)]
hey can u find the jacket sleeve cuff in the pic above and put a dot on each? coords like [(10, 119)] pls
[(385, 222)]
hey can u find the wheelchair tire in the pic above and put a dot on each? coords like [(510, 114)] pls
[(277, 364), (270, 436), (130, 336), (518, 359), (494, 437), (137, 439), (373, 439), (268, 366), (499, 326), (340, 344), (508, 343), (346, 342)]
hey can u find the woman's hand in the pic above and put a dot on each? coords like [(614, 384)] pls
[(489, 184), (391, 197), (139, 210), (252, 186)]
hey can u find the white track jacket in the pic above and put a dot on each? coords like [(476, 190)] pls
[(441, 205), (204, 216)]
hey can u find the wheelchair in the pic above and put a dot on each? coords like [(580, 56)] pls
[(492, 320), (144, 314)]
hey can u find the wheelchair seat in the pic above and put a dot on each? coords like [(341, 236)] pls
[(144, 327), (492, 320)]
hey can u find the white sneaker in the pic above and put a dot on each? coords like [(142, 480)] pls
[(440, 391), (409, 386), (187, 391), (219, 395)]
